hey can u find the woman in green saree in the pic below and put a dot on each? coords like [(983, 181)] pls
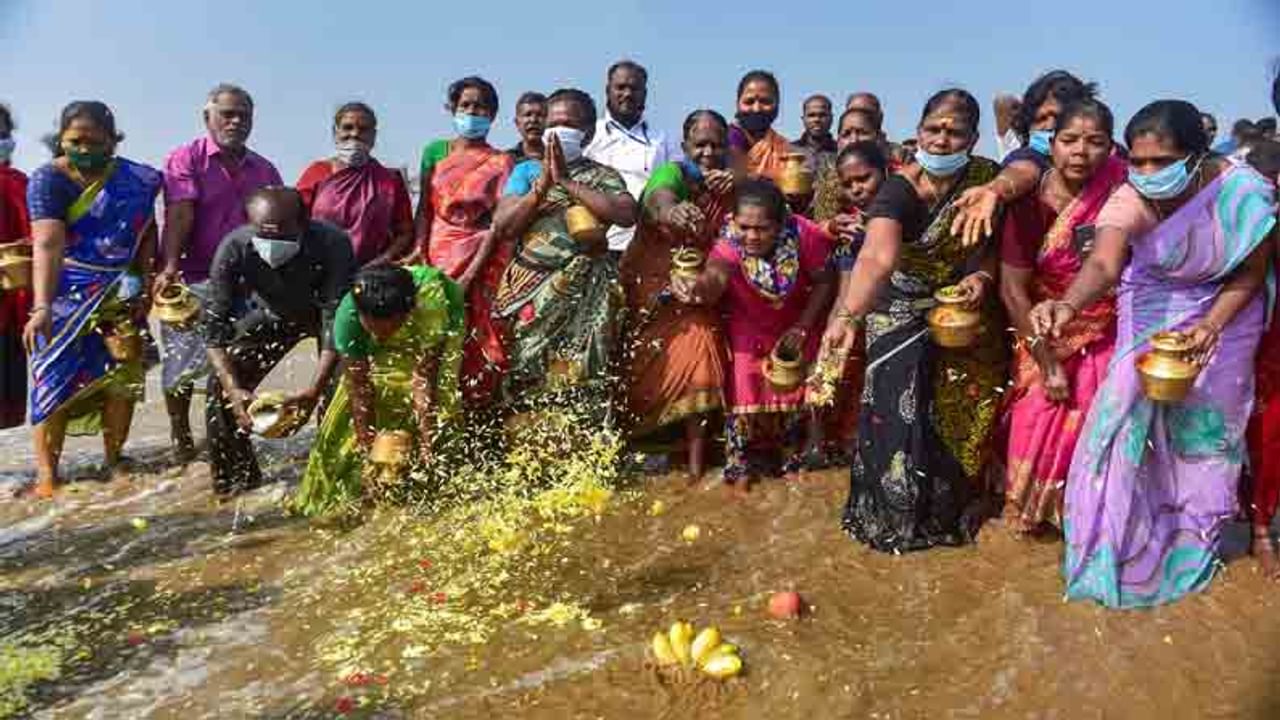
[(400, 333)]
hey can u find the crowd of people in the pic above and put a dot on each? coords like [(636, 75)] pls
[(702, 298)]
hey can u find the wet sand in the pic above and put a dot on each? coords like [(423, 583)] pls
[(170, 604)]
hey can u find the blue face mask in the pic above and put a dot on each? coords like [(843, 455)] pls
[(1167, 182), (471, 127), (942, 165), (1040, 141)]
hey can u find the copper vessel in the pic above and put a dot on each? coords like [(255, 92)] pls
[(951, 324), (1166, 372)]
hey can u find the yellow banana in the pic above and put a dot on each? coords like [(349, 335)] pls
[(662, 650), (723, 666), (706, 643), (723, 649), (681, 636)]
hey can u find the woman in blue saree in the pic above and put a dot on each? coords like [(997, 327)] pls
[(93, 232)]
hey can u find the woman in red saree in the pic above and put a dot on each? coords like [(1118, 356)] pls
[(674, 353), (357, 193), (1045, 240), (462, 181), (14, 303), (1262, 492)]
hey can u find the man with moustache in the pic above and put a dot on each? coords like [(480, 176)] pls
[(626, 142), (531, 121), (206, 184)]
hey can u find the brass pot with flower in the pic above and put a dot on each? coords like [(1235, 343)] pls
[(271, 417), (953, 324)]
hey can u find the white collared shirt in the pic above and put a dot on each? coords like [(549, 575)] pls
[(635, 153)]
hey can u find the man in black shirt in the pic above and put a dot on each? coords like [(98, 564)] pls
[(531, 121), (273, 282)]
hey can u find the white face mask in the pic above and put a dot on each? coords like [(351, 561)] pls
[(352, 153), (570, 140), (276, 252)]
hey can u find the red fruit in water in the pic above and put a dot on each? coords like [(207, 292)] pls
[(785, 605), (344, 705)]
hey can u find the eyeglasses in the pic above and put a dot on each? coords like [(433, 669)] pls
[(232, 114)]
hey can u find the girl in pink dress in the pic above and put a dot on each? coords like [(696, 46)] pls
[(770, 276)]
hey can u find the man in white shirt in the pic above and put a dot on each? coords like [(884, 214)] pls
[(625, 141)]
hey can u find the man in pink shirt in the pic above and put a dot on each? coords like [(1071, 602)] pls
[(206, 184)]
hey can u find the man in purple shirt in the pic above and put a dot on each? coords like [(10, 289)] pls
[(206, 184)]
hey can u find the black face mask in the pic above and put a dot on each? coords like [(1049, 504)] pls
[(756, 121)]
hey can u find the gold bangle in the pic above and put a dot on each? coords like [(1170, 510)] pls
[(848, 318)]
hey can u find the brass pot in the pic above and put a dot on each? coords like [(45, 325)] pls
[(796, 178), (15, 266), (686, 263), (176, 305), (583, 226), (784, 369), (270, 418), (15, 273), (1165, 372), (124, 344), (951, 324), (392, 448)]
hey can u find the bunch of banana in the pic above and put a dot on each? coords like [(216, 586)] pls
[(707, 651)]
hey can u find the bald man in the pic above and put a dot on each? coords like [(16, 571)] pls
[(296, 272)]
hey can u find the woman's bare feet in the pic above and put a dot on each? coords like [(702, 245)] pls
[(45, 488), (739, 488), (1264, 550)]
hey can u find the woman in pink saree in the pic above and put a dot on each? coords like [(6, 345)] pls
[(462, 180), (1046, 237)]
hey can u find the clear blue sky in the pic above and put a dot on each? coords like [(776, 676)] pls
[(153, 61)]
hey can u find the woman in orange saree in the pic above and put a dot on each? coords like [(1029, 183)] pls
[(753, 143), (1045, 241), (462, 180), (674, 352)]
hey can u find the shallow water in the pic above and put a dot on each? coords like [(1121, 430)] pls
[(165, 604), (214, 611)]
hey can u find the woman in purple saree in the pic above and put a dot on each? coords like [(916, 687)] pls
[(1152, 484)]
